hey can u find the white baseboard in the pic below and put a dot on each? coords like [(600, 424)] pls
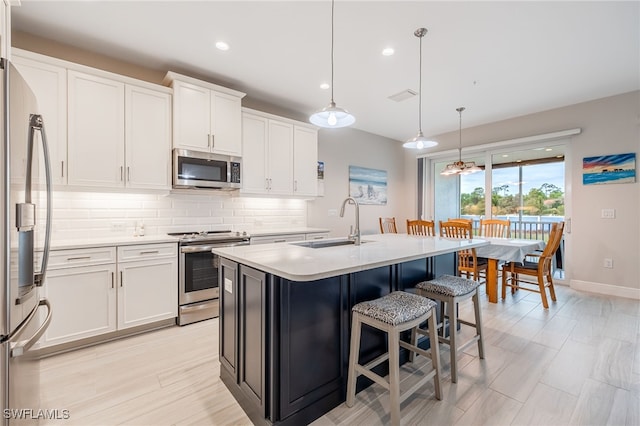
[(611, 290)]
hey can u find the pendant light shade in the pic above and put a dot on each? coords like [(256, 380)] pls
[(419, 141), (460, 167), (332, 116)]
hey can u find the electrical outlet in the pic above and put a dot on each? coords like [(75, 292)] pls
[(608, 263), (117, 227), (608, 214)]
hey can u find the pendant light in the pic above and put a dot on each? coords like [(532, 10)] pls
[(460, 167), (419, 141), (332, 116)]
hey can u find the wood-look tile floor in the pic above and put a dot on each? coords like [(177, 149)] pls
[(577, 363)]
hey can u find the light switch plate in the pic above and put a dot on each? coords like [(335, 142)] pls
[(608, 214)]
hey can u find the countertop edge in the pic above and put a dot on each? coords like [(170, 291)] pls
[(222, 252)]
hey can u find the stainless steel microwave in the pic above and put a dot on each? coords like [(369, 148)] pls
[(193, 169)]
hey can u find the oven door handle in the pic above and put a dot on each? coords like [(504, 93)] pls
[(204, 248)]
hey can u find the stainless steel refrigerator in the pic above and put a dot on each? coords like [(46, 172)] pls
[(25, 199)]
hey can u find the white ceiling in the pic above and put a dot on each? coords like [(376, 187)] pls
[(498, 59)]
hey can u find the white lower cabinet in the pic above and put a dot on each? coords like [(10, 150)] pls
[(82, 295), (147, 287), (95, 291)]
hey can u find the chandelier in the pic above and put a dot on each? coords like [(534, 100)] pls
[(460, 167)]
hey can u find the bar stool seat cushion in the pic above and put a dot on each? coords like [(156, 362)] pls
[(395, 308), (448, 285)]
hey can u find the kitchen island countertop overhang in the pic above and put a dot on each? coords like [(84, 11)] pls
[(296, 263)]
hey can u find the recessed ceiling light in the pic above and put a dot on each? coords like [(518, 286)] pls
[(324, 86), (548, 149), (505, 155), (388, 51), (518, 161), (221, 45)]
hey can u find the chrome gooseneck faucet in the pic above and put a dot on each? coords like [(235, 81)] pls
[(355, 235)]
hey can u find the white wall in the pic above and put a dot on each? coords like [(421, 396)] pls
[(340, 148), (79, 215), (609, 126)]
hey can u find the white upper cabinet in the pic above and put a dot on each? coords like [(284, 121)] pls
[(119, 135), (5, 30), (280, 157), (305, 161), (49, 85), (96, 131), (147, 138), (206, 117), (254, 162)]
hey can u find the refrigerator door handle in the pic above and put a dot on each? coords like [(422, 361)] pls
[(36, 123), (22, 346)]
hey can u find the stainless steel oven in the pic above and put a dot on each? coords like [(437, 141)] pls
[(198, 272)]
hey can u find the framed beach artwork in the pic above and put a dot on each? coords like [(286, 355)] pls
[(617, 168), (368, 186)]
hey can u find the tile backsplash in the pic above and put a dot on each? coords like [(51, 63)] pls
[(89, 214)]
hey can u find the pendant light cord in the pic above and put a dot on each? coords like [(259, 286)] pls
[(420, 91), (332, 7), (460, 109)]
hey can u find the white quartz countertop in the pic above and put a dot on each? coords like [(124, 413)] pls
[(296, 263), (109, 241)]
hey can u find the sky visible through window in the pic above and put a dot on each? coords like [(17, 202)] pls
[(533, 177)]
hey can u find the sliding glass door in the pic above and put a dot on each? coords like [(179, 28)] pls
[(524, 185)]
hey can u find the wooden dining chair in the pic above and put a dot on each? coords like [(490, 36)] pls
[(388, 225), (463, 220), (425, 228), (540, 273), (495, 228), (468, 262)]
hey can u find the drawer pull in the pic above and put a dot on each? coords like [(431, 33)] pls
[(318, 237), (113, 277), (279, 241), (150, 252), (78, 258)]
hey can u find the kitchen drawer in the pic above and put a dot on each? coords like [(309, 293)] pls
[(60, 259), (317, 236), (146, 251), (277, 238)]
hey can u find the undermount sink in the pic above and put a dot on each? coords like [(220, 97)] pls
[(326, 243)]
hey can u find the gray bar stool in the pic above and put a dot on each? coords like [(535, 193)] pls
[(393, 314), (450, 290)]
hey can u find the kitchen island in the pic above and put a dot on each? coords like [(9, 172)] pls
[(285, 316)]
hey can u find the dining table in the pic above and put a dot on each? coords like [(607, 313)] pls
[(507, 250)]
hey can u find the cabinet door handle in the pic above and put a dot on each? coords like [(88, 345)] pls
[(209, 141), (213, 141), (78, 258), (270, 182), (121, 281), (128, 174), (150, 252), (295, 186), (62, 168), (121, 173), (266, 183), (113, 278)]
